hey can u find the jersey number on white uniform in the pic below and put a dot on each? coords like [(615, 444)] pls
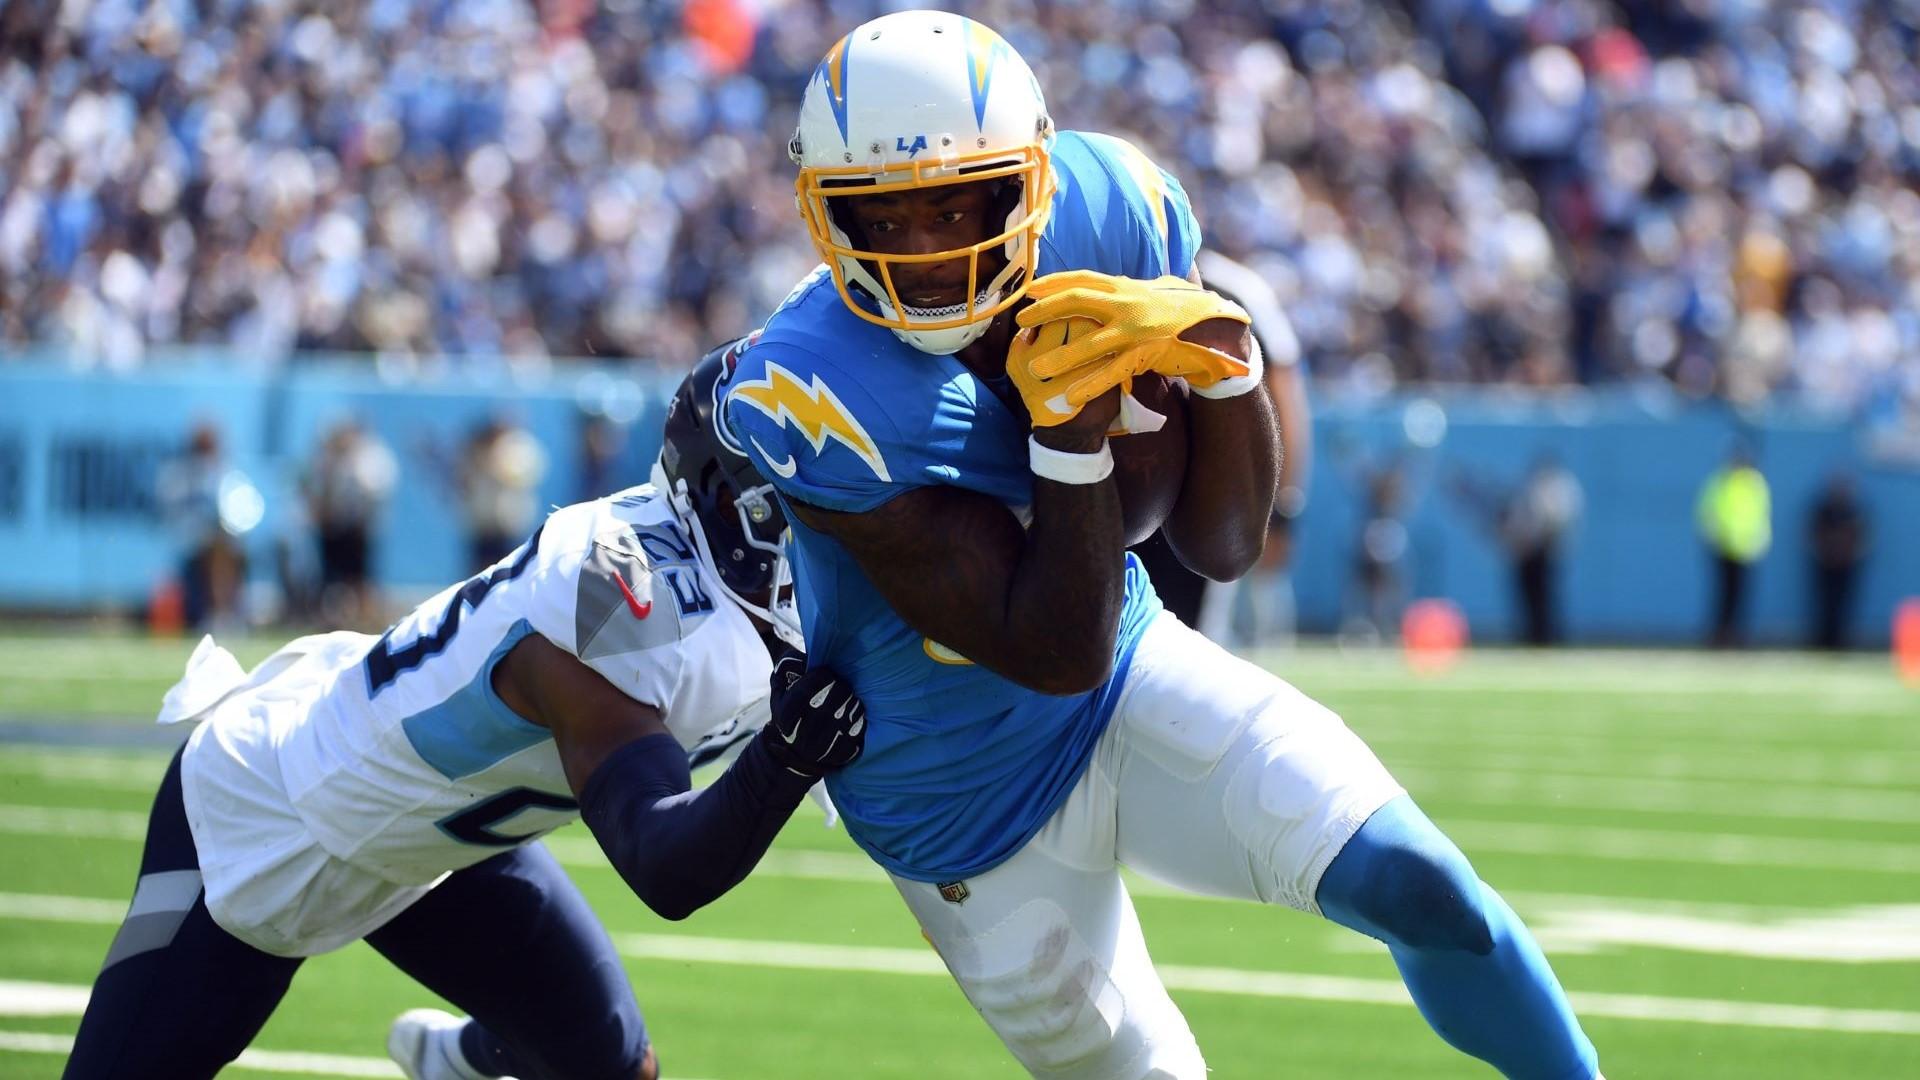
[(385, 663), (475, 825)]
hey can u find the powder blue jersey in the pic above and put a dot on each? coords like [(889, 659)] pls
[(961, 767)]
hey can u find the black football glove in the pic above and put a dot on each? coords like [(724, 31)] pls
[(818, 724)]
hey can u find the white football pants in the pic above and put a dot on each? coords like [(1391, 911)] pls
[(1213, 776)]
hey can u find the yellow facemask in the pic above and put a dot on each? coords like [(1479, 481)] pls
[(872, 270)]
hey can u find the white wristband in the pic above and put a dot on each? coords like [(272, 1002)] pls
[(1236, 385), (1062, 467)]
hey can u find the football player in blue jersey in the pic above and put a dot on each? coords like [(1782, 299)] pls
[(1037, 720), (392, 789)]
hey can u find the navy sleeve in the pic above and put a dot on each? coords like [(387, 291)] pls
[(678, 849)]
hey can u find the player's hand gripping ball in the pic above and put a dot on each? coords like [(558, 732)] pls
[(818, 724), (1149, 456), (1055, 393), (1150, 467), (1140, 325)]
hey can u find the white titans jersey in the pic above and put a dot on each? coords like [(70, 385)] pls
[(347, 774)]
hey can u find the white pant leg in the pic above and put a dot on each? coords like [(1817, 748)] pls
[(1047, 948), (1231, 782), (1217, 602)]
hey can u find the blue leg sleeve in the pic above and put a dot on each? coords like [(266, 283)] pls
[(1472, 968)]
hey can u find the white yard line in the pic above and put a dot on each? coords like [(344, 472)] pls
[(1470, 784), (121, 772), (1277, 984), (1866, 773), (273, 1061), (1560, 841), (886, 960), (1720, 798), (1659, 845), (72, 821), (855, 869), (19, 998), (1654, 719), (86, 910), (1588, 745), (1565, 923)]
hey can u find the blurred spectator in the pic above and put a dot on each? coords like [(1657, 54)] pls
[(1534, 193), (206, 505), (1735, 515), (1380, 550), (1258, 610), (601, 444), (499, 478), (1837, 536), (1531, 523), (346, 487)]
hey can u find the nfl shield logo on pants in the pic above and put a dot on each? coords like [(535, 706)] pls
[(954, 892)]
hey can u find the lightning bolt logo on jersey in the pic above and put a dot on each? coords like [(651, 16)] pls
[(961, 766), (813, 410)]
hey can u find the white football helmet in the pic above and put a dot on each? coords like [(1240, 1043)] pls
[(921, 99)]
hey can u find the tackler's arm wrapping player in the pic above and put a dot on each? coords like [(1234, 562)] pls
[(393, 788), (1036, 719)]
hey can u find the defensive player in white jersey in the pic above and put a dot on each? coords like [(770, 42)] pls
[(1037, 718), (390, 789)]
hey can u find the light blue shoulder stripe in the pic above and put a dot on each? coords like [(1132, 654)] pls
[(473, 730)]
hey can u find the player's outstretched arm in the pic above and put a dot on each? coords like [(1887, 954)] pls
[(679, 849), (1040, 606)]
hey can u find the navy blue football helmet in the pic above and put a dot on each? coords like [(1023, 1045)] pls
[(736, 519)]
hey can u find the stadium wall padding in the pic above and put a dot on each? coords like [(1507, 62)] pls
[(63, 549), (1633, 569), (80, 528)]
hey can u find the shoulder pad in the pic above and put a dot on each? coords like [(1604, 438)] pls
[(615, 609)]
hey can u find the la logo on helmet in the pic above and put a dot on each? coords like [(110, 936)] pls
[(919, 143)]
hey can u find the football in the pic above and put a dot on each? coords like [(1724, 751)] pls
[(1149, 466)]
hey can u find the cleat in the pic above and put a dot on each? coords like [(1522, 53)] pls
[(425, 1043)]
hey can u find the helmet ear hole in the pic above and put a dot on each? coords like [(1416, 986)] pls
[(842, 216), (1007, 195)]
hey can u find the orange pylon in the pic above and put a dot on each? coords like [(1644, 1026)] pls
[(1906, 639), (1433, 633)]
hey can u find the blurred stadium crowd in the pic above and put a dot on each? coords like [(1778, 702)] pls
[(1721, 194)]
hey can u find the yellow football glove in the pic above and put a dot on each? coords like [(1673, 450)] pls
[(1132, 313), (1202, 367), (1058, 395)]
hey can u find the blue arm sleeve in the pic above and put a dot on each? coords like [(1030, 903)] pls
[(679, 849)]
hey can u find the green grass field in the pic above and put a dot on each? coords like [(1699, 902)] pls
[(1721, 854)]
